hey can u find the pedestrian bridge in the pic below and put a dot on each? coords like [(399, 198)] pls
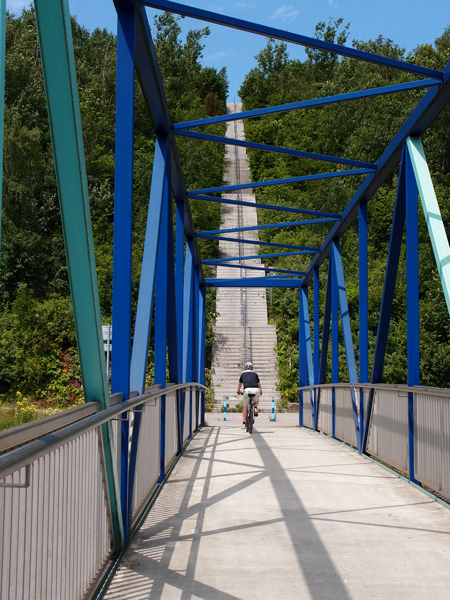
[(285, 512), (346, 499)]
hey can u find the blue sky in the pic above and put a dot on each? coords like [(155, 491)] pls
[(408, 22)]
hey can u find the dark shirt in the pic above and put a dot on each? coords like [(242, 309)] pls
[(250, 379)]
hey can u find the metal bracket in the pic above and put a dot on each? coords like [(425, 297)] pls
[(19, 485)]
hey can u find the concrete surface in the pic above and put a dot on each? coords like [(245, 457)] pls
[(285, 513)]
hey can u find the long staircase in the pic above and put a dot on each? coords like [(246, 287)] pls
[(242, 332)]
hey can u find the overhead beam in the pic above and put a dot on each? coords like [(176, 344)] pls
[(429, 107), (315, 177), (272, 226), (255, 242), (153, 90), (268, 282), (286, 36), (313, 103), (302, 211), (265, 148)]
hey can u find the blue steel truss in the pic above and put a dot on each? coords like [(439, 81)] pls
[(172, 282)]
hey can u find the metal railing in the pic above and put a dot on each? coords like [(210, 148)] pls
[(389, 425), (56, 536)]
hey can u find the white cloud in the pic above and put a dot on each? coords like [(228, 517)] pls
[(245, 4), (285, 13), (217, 55), (332, 4)]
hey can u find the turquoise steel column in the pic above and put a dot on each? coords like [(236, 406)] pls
[(123, 230), (55, 40), (2, 96), (412, 295), (432, 213)]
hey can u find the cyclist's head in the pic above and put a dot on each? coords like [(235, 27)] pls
[(249, 366)]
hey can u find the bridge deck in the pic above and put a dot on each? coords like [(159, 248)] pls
[(285, 513)]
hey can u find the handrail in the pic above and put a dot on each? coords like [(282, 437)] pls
[(23, 456), (384, 386)]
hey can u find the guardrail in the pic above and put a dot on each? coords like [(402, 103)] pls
[(56, 538), (408, 427)]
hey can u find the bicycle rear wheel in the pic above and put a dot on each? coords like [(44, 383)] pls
[(250, 419)]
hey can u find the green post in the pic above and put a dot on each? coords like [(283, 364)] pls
[(58, 63)]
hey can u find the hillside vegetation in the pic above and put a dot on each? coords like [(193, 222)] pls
[(360, 130), (38, 356)]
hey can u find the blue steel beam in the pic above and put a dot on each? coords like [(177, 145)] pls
[(347, 332), (305, 325), (271, 226), (412, 298), (428, 108), (152, 87), (265, 148), (313, 103), (286, 36), (316, 322), (205, 235), (267, 282), (398, 222), (148, 270), (302, 211), (217, 261), (58, 64), (266, 269), (123, 232), (316, 177), (363, 313)]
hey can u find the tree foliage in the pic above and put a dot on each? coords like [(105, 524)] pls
[(38, 357)]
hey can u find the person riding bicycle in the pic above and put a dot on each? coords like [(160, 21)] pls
[(250, 380)]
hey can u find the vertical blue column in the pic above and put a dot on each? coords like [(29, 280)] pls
[(179, 279), (307, 341), (363, 312), (412, 295), (302, 356), (123, 229), (316, 319), (158, 193), (334, 340), (144, 311), (179, 290), (201, 349), (161, 301)]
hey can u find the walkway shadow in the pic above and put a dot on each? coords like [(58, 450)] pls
[(163, 560)]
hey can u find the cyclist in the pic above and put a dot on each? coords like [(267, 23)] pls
[(250, 380)]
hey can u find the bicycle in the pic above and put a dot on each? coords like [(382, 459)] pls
[(250, 413)]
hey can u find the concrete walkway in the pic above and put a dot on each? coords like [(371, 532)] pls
[(285, 513)]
